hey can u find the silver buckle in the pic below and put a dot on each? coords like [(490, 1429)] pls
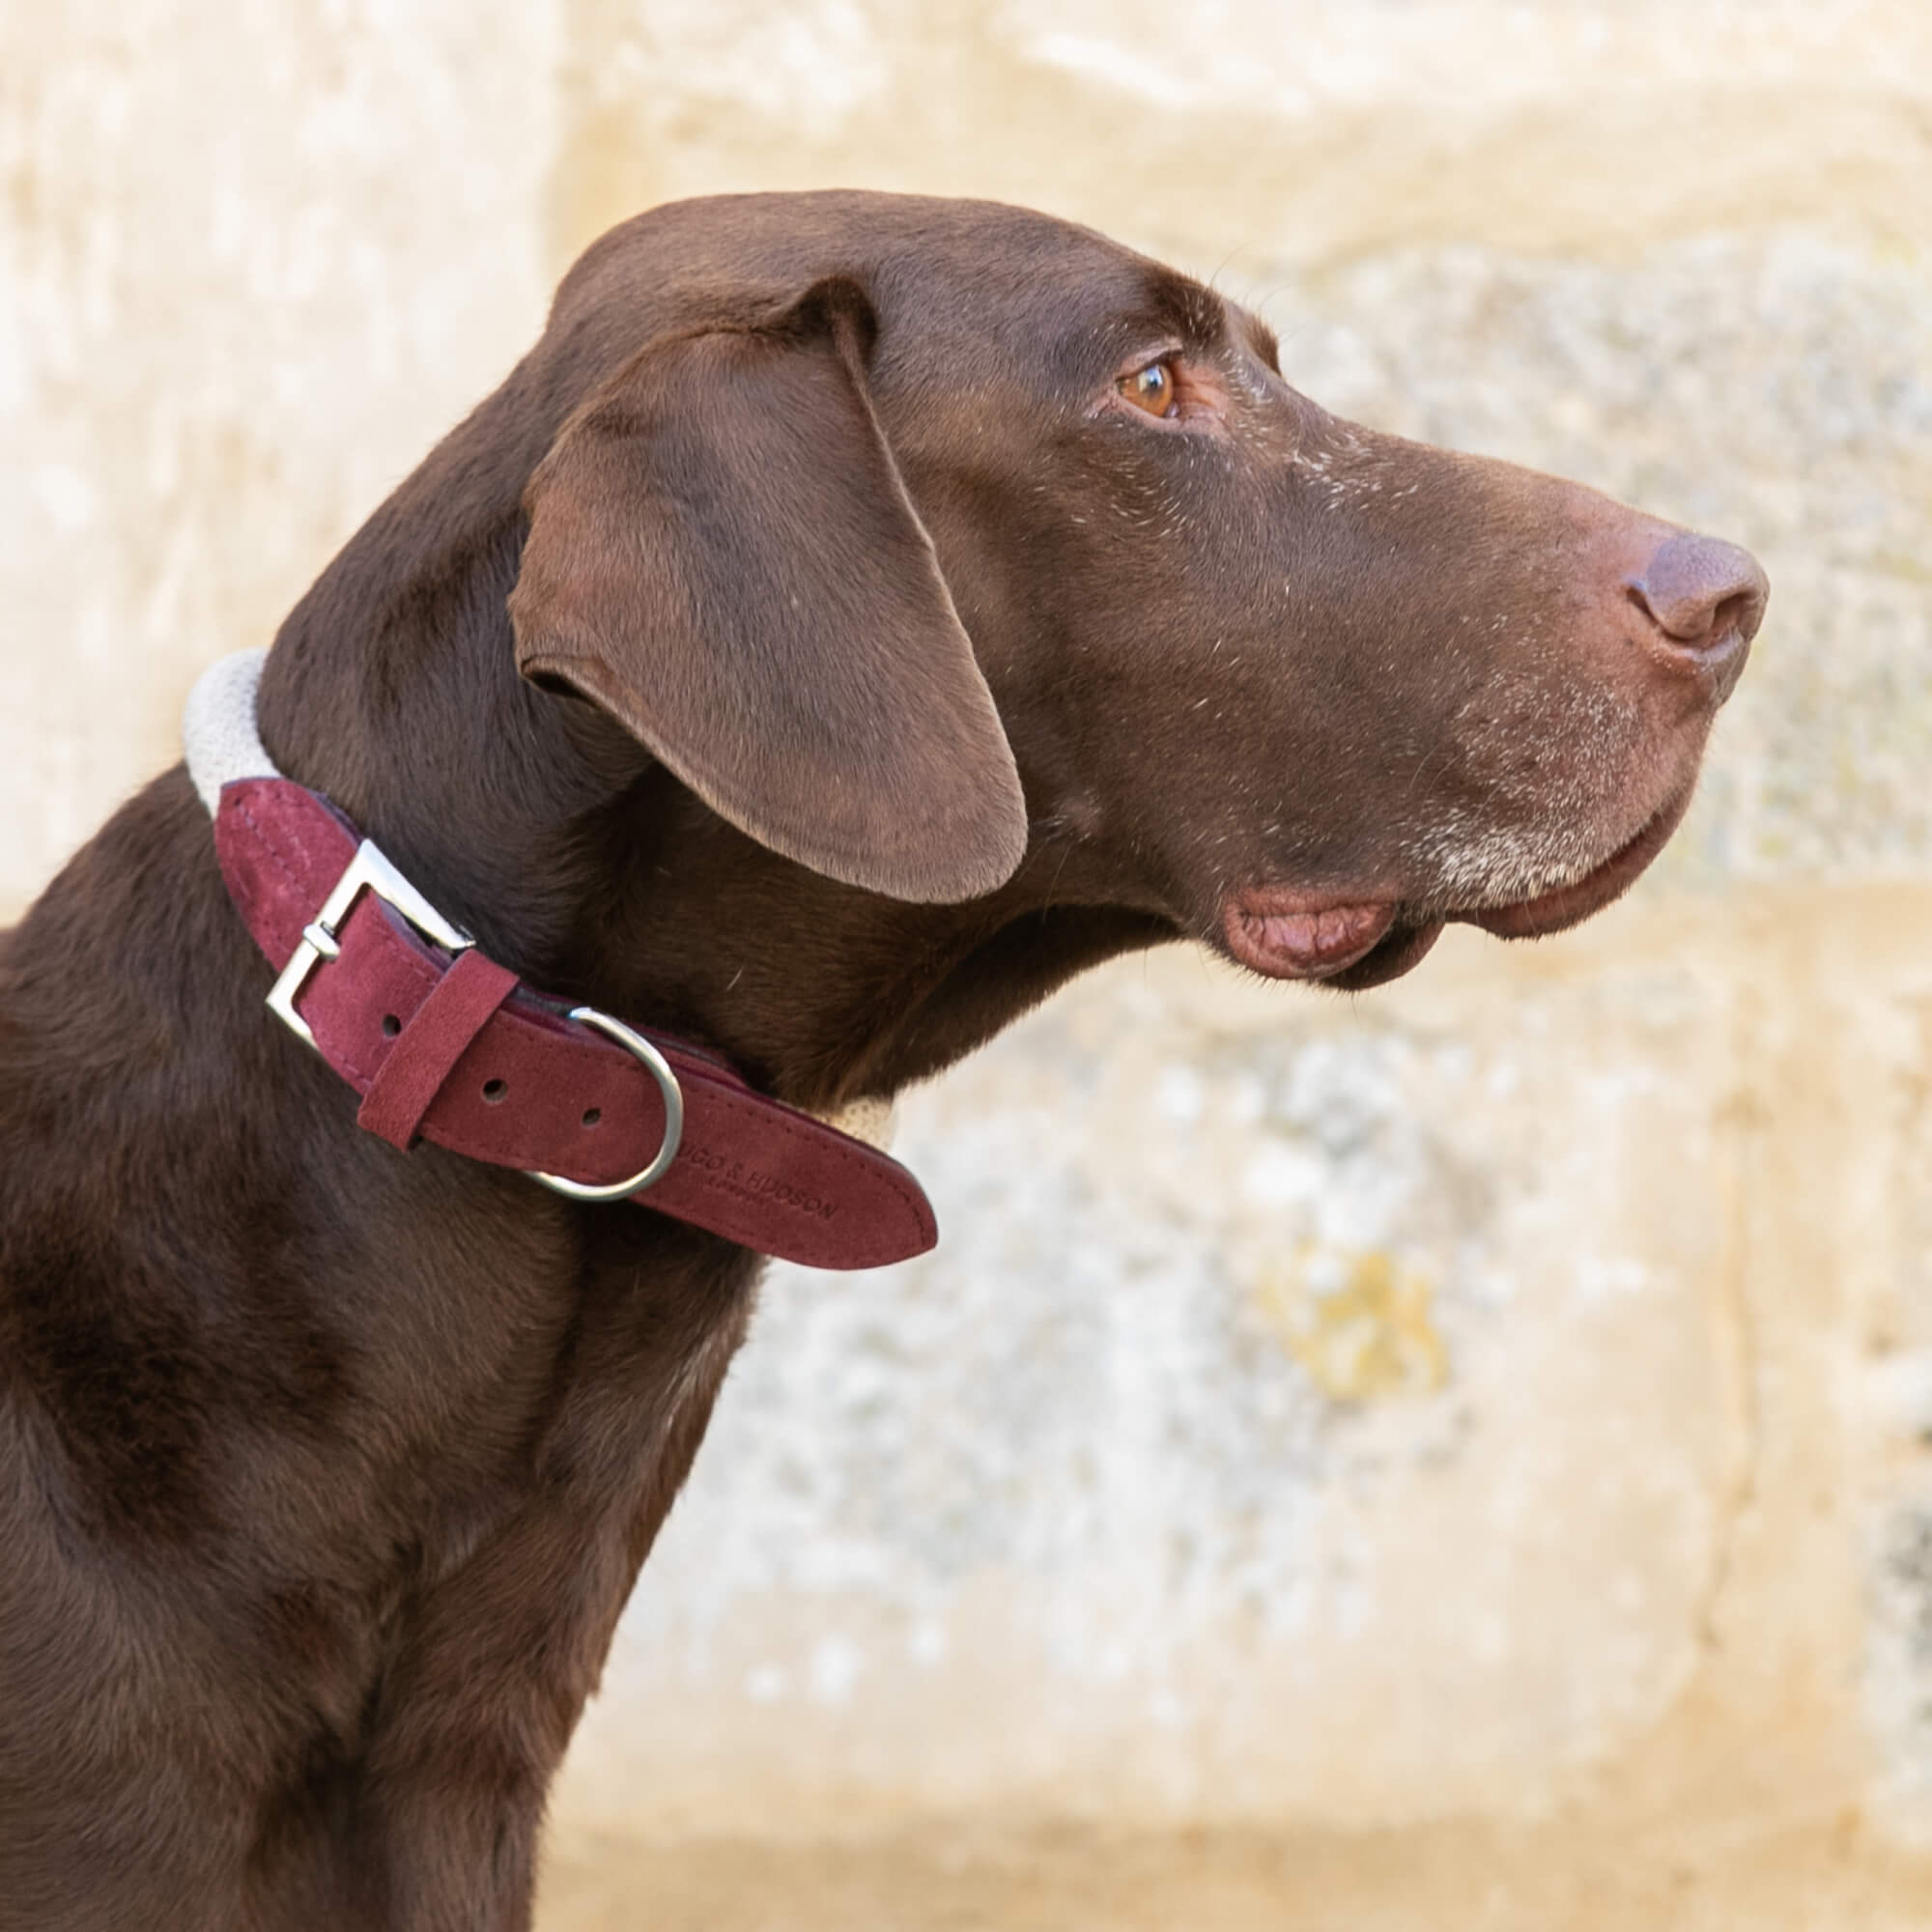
[(369, 867), (659, 1070)]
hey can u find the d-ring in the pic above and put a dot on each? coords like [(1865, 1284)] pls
[(659, 1069)]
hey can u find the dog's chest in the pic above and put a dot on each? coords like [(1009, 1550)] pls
[(523, 1537)]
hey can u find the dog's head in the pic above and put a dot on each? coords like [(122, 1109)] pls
[(920, 537)]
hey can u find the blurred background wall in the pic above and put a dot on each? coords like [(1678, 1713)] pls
[(1454, 1457)]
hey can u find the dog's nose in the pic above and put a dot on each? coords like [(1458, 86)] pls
[(1706, 597)]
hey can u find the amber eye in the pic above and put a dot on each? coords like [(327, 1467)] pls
[(1152, 388)]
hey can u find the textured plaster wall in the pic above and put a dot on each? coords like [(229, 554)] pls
[(1466, 1443)]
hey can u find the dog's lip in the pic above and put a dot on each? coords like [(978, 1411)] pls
[(1287, 933), (1564, 906), (1354, 943)]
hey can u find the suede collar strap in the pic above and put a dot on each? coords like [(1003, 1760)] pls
[(445, 1046)]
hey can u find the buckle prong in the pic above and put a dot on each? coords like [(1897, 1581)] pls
[(370, 867), (317, 935)]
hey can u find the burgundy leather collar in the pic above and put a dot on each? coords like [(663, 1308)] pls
[(447, 1046)]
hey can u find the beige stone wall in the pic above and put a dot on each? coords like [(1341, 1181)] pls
[(1452, 1456)]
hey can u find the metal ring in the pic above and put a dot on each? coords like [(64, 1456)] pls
[(659, 1069)]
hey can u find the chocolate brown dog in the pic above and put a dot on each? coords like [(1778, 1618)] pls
[(855, 617)]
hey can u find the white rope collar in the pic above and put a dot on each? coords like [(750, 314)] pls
[(218, 732)]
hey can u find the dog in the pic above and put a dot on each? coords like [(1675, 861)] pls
[(856, 615)]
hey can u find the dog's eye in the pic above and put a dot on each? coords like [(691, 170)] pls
[(1154, 388)]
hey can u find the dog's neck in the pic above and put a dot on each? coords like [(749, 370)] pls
[(543, 829)]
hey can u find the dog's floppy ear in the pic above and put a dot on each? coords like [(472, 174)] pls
[(723, 556)]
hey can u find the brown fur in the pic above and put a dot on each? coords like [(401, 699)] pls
[(922, 672)]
